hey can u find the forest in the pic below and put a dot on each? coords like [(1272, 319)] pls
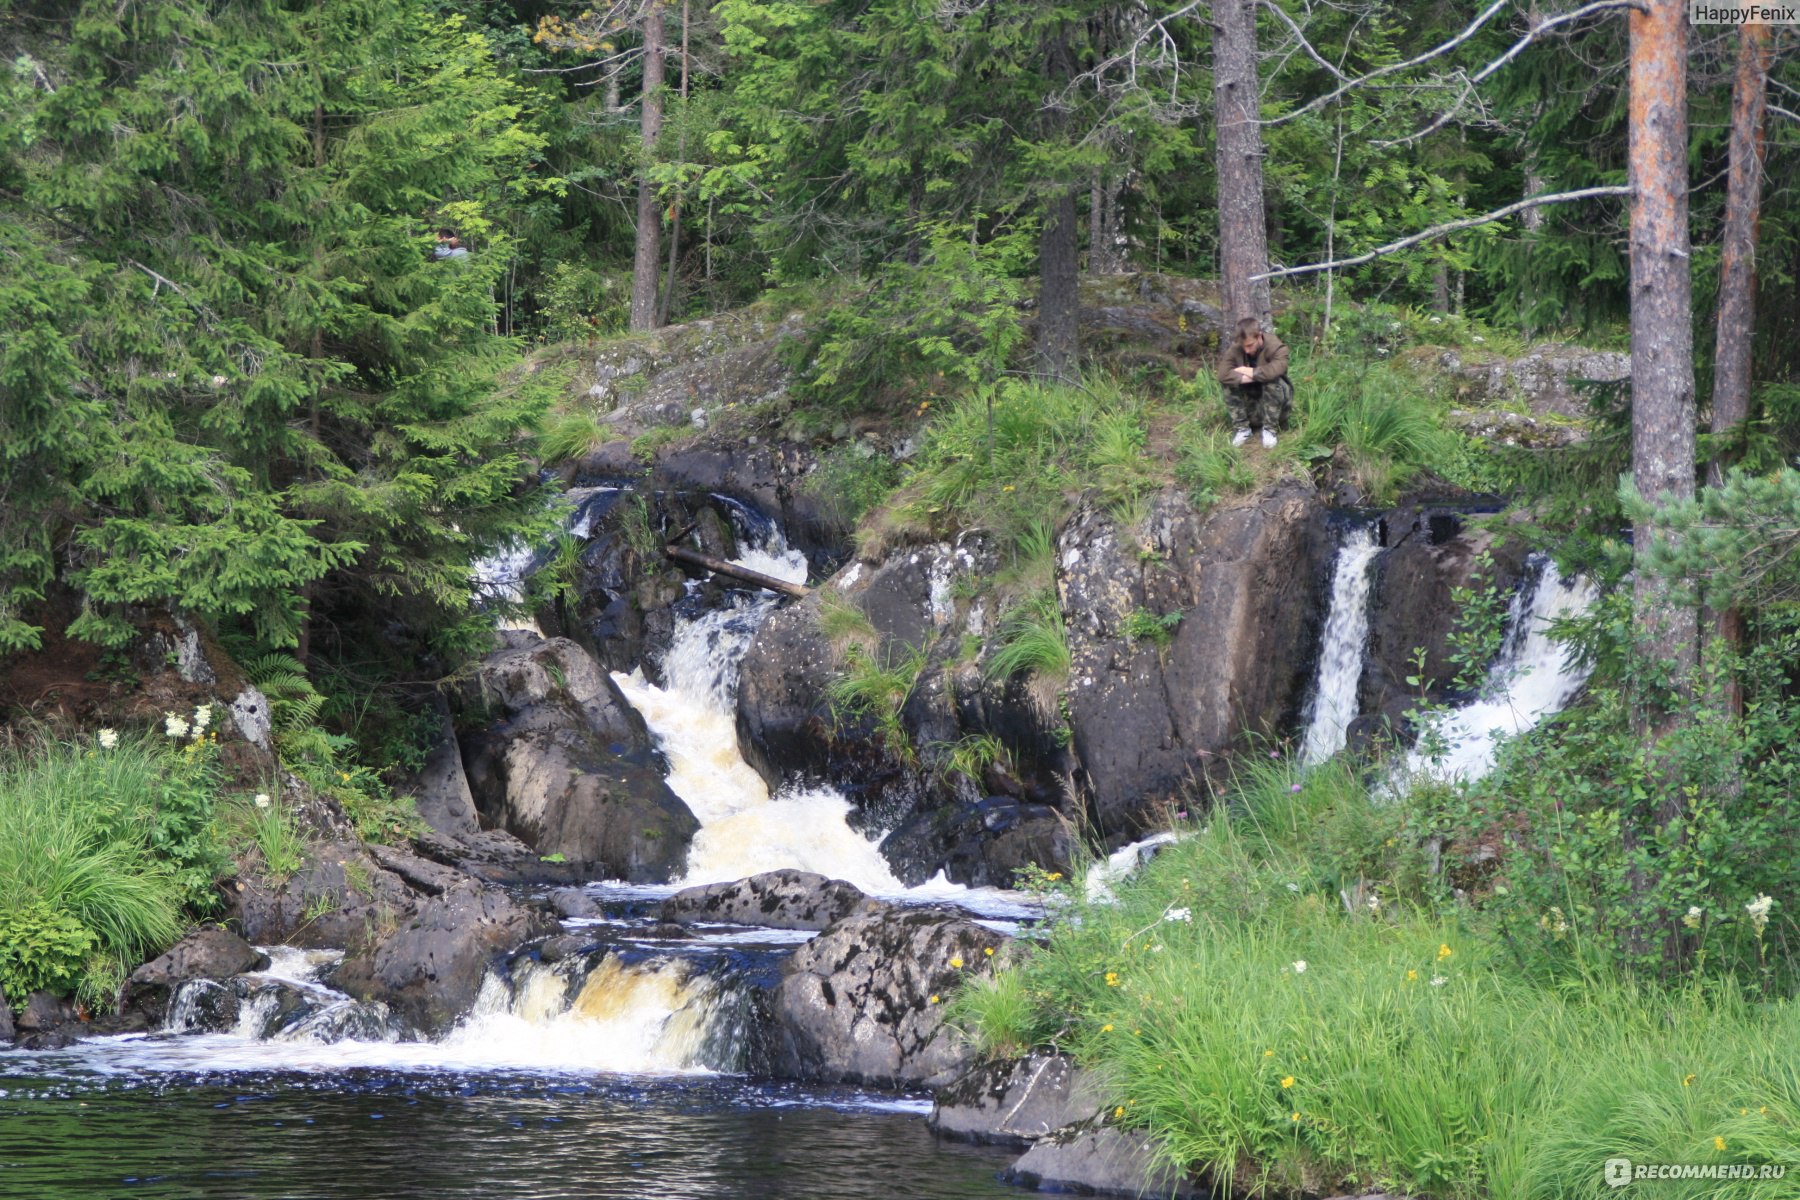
[(428, 425)]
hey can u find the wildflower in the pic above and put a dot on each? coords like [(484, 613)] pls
[(1411, 975), (1182, 815), (1294, 788), (1107, 1028), (202, 718), (1552, 922), (1299, 966), (1478, 339), (1688, 1081), (1179, 914), (1274, 754), (1288, 1082), (1293, 1116), (1268, 1054), (934, 998), (1444, 951), (262, 800), (1718, 1143), (109, 738), (1759, 912), (175, 726), (1118, 1112), (1293, 887), (1694, 913), (1007, 488), (1439, 981), (1374, 903), (1763, 1111), (1112, 979), (956, 963), (1053, 876), (989, 952)]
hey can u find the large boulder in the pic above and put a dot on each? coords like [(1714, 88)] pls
[(563, 762), (1243, 582), (1101, 1160), (1016, 1102), (785, 899), (443, 797), (1546, 379), (215, 954), (339, 893), (6, 1018), (863, 1001), (428, 969)]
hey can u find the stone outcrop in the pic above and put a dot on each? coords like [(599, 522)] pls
[(563, 762), (1244, 582), (863, 1001), (7, 1032), (1544, 379), (1101, 1160), (1015, 1102), (215, 954), (786, 899)]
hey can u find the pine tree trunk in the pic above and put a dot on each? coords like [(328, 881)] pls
[(1106, 233), (645, 262), (1059, 273), (1243, 232), (1662, 403)]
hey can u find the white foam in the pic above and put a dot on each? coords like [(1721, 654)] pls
[(1342, 647)]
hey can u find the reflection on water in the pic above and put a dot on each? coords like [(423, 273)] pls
[(68, 1135)]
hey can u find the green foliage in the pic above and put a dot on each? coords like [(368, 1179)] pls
[(1285, 998), (845, 624), (1208, 465), (1735, 544), (1381, 416), (101, 853), (1033, 641), (850, 480), (637, 528), (271, 829), (869, 691), (971, 755), (1142, 625), (234, 378), (571, 435)]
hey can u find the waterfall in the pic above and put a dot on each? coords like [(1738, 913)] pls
[(1342, 646), (500, 577), (743, 829), (1533, 677)]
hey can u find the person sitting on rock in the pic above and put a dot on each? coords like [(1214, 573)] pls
[(1254, 372)]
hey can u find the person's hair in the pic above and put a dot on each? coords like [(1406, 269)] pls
[(446, 231), (1249, 327)]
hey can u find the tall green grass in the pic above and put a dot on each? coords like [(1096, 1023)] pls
[(1381, 414), (1276, 1002), (78, 831)]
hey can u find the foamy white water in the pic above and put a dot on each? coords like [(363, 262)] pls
[(1533, 677), (1118, 866), (1342, 648)]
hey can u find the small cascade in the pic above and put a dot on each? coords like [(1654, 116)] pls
[(743, 830), (1343, 646), (283, 1003), (500, 577), (1533, 677)]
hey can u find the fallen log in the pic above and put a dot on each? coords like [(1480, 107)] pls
[(720, 567)]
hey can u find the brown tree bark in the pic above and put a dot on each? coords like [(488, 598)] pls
[(1243, 232), (1106, 223), (645, 262), (1662, 413), (1737, 282), (1059, 274)]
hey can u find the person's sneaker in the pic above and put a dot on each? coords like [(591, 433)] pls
[(1268, 439), (1240, 437)]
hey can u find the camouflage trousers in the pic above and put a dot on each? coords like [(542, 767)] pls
[(1259, 405)]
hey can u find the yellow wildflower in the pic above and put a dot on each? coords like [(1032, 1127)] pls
[(1112, 979), (1268, 1054), (956, 963), (989, 952), (1118, 1112), (1688, 1082), (1718, 1143), (1288, 1082), (934, 998), (1444, 951), (1106, 1029), (1293, 1116), (1411, 975)]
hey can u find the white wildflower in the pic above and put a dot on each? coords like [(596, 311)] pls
[(1759, 912), (1179, 914), (1478, 339), (1694, 913), (202, 718), (1438, 981), (1293, 887), (109, 738), (262, 800), (175, 725), (218, 381), (1374, 903), (1299, 966)]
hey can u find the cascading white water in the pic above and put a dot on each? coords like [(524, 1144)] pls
[(1342, 646), (500, 577), (743, 829), (1533, 677)]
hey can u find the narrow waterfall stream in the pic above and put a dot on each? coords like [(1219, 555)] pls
[(1342, 646), (1532, 677)]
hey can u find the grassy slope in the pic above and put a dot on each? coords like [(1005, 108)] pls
[(1411, 1051)]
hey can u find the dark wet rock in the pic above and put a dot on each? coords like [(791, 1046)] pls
[(664, 931), (1247, 581), (1100, 1160), (784, 727), (428, 970), (201, 1006), (339, 894), (52, 1039), (204, 954), (6, 1018), (984, 844), (1431, 552), (563, 762), (496, 856), (786, 899), (862, 1002), (43, 1011), (574, 902), (442, 796), (1015, 1102), (564, 945)]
